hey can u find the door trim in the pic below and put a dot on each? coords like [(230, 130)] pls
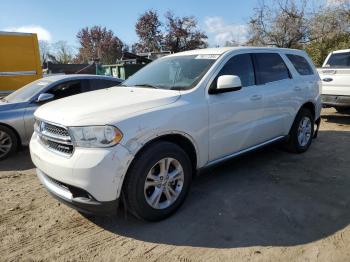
[(213, 162)]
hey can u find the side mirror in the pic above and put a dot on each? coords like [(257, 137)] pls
[(227, 83), (44, 97)]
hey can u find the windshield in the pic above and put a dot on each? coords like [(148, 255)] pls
[(174, 72), (28, 91), (339, 60)]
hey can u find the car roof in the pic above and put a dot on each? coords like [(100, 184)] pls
[(341, 51), (54, 78), (222, 50)]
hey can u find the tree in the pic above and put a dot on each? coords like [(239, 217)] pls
[(63, 53), (281, 24), (182, 34), (44, 49), (329, 31), (149, 32), (98, 43)]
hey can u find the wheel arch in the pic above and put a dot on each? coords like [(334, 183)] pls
[(183, 140)]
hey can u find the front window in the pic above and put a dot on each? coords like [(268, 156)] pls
[(173, 73), (25, 93)]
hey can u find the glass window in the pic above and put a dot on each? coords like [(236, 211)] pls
[(28, 91), (96, 84), (67, 89), (339, 60), (239, 65), (174, 72), (270, 67), (301, 64)]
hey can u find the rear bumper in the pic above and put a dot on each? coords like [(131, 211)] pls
[(76, 198), (336, 100)]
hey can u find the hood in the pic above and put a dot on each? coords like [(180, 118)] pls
[(5, 106), (105, 106)]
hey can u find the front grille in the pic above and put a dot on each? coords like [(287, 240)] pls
[(56, 138), (56, 130)]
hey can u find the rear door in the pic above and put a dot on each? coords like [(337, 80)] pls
[(275, 82), (335, 74)]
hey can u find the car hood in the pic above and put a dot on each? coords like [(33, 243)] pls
[(5, 106), (106, 106)]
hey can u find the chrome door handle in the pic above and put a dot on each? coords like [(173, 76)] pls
[(327, 79), (255, 97)]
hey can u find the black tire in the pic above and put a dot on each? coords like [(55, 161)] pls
[(293, 144), (10, 138), (134, 185), (342, 110)]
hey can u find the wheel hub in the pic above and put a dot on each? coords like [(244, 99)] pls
[(164, 183)]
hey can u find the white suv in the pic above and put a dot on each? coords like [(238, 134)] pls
[(143, 142)]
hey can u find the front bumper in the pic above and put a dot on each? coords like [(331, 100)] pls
[(336, 100), (98, 172), (76, 198)]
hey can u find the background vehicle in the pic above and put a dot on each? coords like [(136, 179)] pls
[(180, 113), (17, 109), (335, 74), (19, 61)]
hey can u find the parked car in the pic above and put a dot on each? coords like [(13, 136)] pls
[(16, 109), (183, 112), (335, 74)]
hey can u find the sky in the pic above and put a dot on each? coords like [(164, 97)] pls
[(61, 20)]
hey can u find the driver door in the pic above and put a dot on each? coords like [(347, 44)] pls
[(234, 116)]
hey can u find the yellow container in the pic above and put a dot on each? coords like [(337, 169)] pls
[(19, 60)]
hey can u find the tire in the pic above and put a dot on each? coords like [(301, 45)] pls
[(8, 142), (295, 143), (139, 196), (342, 110)]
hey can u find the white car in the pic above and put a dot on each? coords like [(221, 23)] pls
[(142, 142), (335, 74)]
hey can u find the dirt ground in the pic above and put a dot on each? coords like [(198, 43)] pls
[(266, 206)]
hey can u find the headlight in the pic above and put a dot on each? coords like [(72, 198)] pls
[(95, 136)]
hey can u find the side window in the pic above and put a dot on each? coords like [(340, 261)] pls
[(270, 67), (96, 84), (301, 64), (239, 65), (67, 89)]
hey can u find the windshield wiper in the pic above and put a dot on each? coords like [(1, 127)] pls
[(147, 85)]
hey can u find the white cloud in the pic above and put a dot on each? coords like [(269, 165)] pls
[(222, 31), (43, 34)]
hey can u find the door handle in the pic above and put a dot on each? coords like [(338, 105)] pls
[(297, 88), (255, 97), (327, 79)]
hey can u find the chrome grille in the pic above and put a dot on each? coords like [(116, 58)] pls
[(56, 130), (56, 138)]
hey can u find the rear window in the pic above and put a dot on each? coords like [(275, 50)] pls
[(301, 64), (339, 60), (270, 67)]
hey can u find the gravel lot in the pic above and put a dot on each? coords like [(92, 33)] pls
[(266, 206)]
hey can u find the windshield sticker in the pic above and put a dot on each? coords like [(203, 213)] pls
[(207, 56)]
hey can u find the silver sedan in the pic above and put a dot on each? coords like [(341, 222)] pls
[(17, 109)]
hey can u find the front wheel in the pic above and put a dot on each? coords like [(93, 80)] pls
[(8, 142), (158, 181), (301, 133)]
